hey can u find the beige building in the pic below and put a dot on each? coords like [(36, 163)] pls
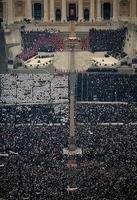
[(66, 10)]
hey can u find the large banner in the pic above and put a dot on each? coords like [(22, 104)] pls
[(72, 11)]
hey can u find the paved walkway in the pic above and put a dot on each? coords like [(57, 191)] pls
[(72, 80)]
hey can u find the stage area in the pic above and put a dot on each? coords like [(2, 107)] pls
[(84, 60), (39, 61), (101, 60), (61, 61)]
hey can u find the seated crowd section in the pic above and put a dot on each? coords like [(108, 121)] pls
[(35, 167), (109, 40), (33, 88), (106, 87), (48, 40), (34, 114), (109, 161), (99, 113), (34, 126), (34, 129), (106, 116)]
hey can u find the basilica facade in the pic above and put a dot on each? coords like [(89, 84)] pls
[(65, 10)]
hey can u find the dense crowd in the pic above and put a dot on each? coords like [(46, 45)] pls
[(48, 40), (33, 88), (106, 87), (107, 40), (34, 114), (29, 36), (35, 167), (84, 43), (94, 113), (110, 155), (32, 138), (117, 55)]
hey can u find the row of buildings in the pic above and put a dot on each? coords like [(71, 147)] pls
[(66, 10)]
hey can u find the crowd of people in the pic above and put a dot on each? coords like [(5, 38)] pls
[(106, 87), (111, 156), (107, 39), (117, 55), (84, 43), (94, 113), (33, 41), (33, 88), (35, 167), (34, 130), (34, 114)]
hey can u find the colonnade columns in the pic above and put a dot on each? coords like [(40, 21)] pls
[(133, 10), (52, 10), (45, 19), (4, 11), (115, 10), (10, 17), (63, 9), (80, 10), (29, 9), (98, 10), (92, 10)]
